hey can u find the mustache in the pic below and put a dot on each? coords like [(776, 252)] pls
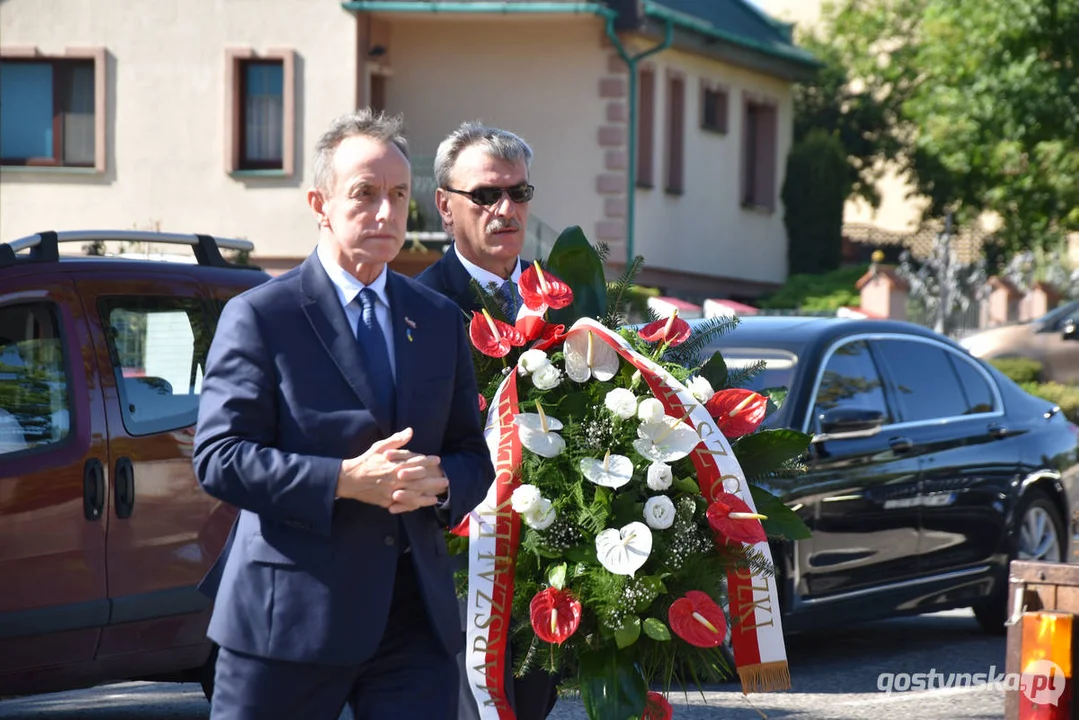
[(500, 224)]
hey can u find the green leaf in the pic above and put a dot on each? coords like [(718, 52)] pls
[(628, 633), (556, 576), (656, 630), (687, 485), (776, 398), (767, 450), (575, 261), (715, 371), (612, 686), (584, 554), (781, 522)]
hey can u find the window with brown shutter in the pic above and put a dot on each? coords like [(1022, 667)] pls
[(759, 155), (713, 109), (676, 134), (646, 126)]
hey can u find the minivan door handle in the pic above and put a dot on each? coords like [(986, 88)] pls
[(900, 445), (124, 480), (93, 489)]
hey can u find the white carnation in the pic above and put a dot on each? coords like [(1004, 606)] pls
[(546, 377), (621, 402), (525, 499), (659, 476), (531, 361), (650, 410), (541, 516), (659, 512), (701, 389)]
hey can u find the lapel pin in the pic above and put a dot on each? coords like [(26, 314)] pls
[(410, 323), (409, 329)]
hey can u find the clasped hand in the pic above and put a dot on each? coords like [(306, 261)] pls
[(389, 476)]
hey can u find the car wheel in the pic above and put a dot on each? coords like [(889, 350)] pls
[(1039, 535), (206, 675)]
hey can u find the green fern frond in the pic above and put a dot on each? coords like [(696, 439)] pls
[(738, 378), (688, 354), (617, 304)]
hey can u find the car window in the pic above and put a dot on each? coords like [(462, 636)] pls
[(850, 380), (977, 392), (924, 380), (158, 347), (35, 405)]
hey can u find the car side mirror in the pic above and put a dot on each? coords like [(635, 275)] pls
[(1071, 330), (850, 422)]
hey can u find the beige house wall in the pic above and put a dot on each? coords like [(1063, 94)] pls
[(706, 231), (537, 76), (166, 108)]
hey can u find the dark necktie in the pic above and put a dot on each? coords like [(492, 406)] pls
[(509, 299), (376, 357)]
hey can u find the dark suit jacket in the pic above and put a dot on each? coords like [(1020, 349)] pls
[(284, 399), (449, 277)]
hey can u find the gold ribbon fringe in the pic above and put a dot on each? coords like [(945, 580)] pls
[(765, 677)]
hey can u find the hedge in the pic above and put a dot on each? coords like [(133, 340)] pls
[(1066, 396), (1021, 370)]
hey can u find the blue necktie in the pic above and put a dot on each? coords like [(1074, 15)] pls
[(376, 357), (509, 299)]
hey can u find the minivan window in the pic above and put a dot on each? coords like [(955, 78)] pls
[(158, 347), (35, 407), (924, 380), (850, 380)]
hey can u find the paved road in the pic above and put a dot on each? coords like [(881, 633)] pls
[(835, 676)]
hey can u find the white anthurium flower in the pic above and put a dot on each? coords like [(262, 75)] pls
[(650, 410), (525, 499), (531, 361), (624, 551), (659, 512), (588, 356), (542, 516), (537, 432), (665, 441), (700, 388), (660, 476), (612, 471), (546, 377), (621, 402)]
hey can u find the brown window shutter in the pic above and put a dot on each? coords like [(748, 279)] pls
[(646, 126), (676, 134)]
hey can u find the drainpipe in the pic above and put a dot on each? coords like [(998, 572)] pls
[(631, 141), (539, 8)]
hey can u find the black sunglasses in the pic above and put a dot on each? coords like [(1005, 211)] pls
[(490, 195)]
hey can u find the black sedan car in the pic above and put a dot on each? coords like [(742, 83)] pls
[(928, 470)]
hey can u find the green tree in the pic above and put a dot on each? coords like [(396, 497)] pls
[(816, 185), (977, 101)]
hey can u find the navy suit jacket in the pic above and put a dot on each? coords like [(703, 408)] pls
[(307, 578), (449, 277)]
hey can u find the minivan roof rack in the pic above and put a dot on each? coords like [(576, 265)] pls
[(45, 246)]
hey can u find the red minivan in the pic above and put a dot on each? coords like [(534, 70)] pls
[(104, 531)]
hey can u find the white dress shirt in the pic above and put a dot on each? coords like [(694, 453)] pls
[(348, 288), (486, 278)]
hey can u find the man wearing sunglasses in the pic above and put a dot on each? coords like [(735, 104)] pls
[(482, 197)]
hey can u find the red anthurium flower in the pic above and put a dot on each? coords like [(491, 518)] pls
[(541, 289), (493, 337), (483, 402), (555, 614), (698, 620), (673, 331), (737, 412), (537, 329), (731, 517), (656, 707)]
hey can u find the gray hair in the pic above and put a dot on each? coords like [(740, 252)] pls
[(366, 122), (497, 143)]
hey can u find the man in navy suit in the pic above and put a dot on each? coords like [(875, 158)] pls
[(482, 197), (338, 412)]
